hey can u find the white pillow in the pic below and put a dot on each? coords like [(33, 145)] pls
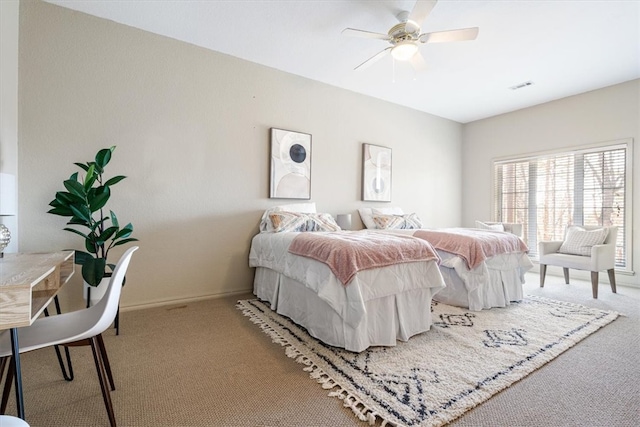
[(265, 221), (494, 227), (579, 241), (366, 214)]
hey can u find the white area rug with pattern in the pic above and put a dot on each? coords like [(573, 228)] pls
[(437, 376)]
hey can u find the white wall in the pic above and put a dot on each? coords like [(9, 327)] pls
[(9, 15), (192, 133), (607, 114)]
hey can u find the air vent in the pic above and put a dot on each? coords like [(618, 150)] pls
[(521, 85)]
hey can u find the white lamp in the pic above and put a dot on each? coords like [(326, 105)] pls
[(404, 50), (7, 206), (344, 221)]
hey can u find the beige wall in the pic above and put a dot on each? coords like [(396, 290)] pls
[(9, 13), (607, 114), (192, 133)]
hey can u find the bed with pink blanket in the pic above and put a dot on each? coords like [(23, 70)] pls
[(350, 289), (482, 268)]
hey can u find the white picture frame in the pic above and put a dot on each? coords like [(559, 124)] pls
[(290, 165), (376, 173)]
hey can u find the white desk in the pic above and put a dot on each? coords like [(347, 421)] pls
[(28, 283)]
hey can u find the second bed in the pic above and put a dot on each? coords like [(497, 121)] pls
[(494, 280)]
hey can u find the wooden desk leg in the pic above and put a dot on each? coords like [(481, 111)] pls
[(15, 360)]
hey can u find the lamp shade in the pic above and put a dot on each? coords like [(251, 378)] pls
[(344, 221), (404, 50), (8, 205)]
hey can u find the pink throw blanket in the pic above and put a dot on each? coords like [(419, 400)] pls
[(348, 252), (474, 246)]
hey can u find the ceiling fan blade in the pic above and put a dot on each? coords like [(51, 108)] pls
[(460, 35), (420, 11), (373, 59), (418, 63), (366, 34)]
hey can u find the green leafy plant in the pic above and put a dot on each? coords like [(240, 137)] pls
[(84, 202)]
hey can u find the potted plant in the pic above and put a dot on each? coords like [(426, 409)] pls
[(84, 203)]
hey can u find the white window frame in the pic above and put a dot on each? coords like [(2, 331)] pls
[(626, 143)]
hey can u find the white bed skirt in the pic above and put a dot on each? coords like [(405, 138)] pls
[(496, 283), (387, 319)]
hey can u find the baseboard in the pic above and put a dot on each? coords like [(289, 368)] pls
[(164, 303)]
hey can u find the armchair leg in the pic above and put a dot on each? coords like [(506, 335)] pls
[(612, 279), (594, 284), (543, 272), (566, 275)]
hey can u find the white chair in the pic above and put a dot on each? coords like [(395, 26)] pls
[(9, 421), (600, 257), (77, 326)]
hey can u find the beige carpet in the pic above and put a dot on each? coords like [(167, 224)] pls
[(205, 364)]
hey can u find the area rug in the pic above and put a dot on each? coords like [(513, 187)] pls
[(437, 376)]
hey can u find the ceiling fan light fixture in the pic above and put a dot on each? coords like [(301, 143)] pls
[(404, 50)]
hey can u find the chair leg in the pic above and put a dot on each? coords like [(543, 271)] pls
[(612, 279), (3, 364), (97, 358), (65, 375), (103, 355), (105, 359), (543, 272), (69, 376), (594, 284), (566, 275), (7, 383)]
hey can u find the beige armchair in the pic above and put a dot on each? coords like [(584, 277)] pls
[(598, 256)]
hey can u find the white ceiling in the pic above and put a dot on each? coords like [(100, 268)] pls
[(563, 47)]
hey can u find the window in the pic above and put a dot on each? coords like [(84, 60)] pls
[(548, 192)]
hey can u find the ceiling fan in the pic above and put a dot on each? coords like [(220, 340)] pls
[(405, 38)]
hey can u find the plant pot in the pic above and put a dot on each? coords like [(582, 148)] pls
[(97, 292)]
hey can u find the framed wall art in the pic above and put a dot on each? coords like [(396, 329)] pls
[(376, 173), (290, 164)]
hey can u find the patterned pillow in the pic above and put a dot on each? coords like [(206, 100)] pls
[(321, 222), (296, 221), (395, 222), (366, 214), (579, 241), (388, 221), (288, 221), (266, 224)]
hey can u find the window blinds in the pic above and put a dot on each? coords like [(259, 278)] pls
[(546, 193)]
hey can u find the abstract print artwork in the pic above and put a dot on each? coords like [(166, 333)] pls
[(376, 173), (290, 164)]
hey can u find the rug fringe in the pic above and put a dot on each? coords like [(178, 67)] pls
[(359, 409)]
